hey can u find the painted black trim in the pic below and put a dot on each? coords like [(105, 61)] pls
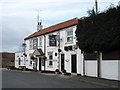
[(47, 71), (68, 73)]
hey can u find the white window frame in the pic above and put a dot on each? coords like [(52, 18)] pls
[(69, 35), (35, 43), (50, 60), (40, 41), (30, 44)]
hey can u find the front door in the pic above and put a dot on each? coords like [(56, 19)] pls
[(73, 63), (39, 64), (62, 62)]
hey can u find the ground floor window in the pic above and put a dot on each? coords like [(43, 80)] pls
[(30, 62), (19, 61), (50, 58), (50, 63)]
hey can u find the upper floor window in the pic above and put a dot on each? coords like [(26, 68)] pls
[(31, 43), (69, 35), (35, 43), (40, 41), (50, 56)]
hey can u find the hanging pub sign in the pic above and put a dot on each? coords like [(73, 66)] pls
[(52, 40)]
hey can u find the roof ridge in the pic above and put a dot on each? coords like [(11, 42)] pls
[(54, 27), (59, 23)]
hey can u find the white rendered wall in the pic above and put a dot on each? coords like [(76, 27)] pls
[(53, 49), (68, 54), (16, 60), (91, 68), (56, 62), (22, 60), (68, 62), (79, 62), (52, 67), (28, 52), (109, 69)]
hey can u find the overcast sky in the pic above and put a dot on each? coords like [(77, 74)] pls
[(18, 18)]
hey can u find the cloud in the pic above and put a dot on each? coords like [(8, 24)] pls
[(19, 17)]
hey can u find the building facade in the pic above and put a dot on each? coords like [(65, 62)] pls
[(55, 48), (58, 44), (20, 59)]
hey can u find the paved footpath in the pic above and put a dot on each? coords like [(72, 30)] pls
[(18, 79)]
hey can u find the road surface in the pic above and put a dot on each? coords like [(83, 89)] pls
[(19, 79)]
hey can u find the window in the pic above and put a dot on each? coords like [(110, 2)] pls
[(70, 36), (30, 62), (35, 43), (31, 44), (19, 61), (40, 40), (50, 57), (50, 63)]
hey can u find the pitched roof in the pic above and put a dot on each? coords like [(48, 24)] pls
[(59, 26), (38, 52)]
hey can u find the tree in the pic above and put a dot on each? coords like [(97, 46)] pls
[(100, 32)]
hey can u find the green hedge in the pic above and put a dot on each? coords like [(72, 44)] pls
[(100, 32)]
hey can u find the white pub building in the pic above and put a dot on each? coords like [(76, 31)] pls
[(54, 48)]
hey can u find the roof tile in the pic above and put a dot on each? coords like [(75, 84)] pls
[(54, 28)]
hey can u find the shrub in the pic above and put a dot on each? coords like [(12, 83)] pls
[(64, 71), (57, 70)]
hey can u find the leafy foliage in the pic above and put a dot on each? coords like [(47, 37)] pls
[(100, 32)]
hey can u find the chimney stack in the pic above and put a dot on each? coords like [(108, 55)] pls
[(39, 25)]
